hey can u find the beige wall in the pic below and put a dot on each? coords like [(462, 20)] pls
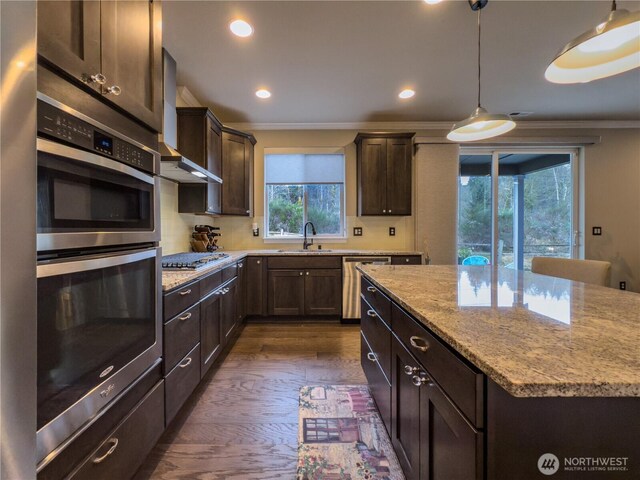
[(612, 200)]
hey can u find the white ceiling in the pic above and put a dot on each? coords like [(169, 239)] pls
[(339, 61)]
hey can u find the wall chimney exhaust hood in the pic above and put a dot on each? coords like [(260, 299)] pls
[(174, 165)]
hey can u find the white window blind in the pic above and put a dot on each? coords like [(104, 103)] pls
[(303, 168)]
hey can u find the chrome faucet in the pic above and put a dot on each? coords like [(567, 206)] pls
[(307, 243)]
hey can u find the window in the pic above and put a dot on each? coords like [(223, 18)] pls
[(304, 187), (516, 204)]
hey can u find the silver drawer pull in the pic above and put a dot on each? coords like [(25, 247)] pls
[(418, 381), (185, 317), (114, 445), (186, 292), (371, 289), (409, 370), (414, 343), (240, 265), (372, 313), (186, 364), (372, 356)]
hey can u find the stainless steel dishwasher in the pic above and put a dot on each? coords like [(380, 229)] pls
[(351, 283)]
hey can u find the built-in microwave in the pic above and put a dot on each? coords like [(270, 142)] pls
[(99, 328), (95, 186)]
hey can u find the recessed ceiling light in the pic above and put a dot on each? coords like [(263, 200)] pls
[(241, 28), (432, 2), (263, 93), (407, 93)]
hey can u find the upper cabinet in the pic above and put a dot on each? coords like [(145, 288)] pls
[(226, 153), (237, 172), (384, 173), (112, 47), (200, 138)]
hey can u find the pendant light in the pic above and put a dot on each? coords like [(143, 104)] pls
[(481, 124), (610, 48)]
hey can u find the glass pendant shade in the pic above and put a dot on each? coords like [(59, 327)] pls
[(481, 125), (610, 48)]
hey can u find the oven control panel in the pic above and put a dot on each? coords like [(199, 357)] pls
[(56, 123)]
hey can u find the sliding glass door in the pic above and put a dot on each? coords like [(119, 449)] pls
[(516, 204)]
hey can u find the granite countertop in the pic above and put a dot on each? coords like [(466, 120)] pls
[(174, 279), (534, 335)]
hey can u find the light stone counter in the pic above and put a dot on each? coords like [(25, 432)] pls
[(534, 335), (174, 279)]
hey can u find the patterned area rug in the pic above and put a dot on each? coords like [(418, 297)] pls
[(341, 436)]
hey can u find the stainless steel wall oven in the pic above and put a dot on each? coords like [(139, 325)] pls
[(96, 187), (98, 273)]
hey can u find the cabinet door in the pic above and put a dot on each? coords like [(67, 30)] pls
[(248, 175), (255, 293), (399, 176), (210, 338), (286, 292), (241, 297), (323, 292), (132, 57), (235, 194), (229, 316), (405, 411), (214, 148), (372, 188), (450, 448), (69, 37)]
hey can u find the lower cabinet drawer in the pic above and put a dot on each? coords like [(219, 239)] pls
[(229, 272), (406, 260), (463, 383), (378, 335), (180, 336), (181, 382), (378, 383), (122, 453)]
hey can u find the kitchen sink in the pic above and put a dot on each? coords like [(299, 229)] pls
[(300, 250)]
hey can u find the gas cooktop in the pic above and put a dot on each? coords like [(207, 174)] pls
[(191, 261)]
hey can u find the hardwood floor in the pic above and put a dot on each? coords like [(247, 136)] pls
[(242, 421)]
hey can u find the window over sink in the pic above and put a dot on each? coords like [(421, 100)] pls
[(304, 185)]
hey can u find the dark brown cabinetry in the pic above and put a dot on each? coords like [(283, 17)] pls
[(237, 172), (126, 447), (406, 260), (256, 289), (323, 292), (384, 173), (200, 140), (405, 410), (227, 154), (181, 382), (286, 292), (430, 399), (229, 309), (241, 297), (310, 286), (69, 38), (210, 331), (113, 48), (432, 438)]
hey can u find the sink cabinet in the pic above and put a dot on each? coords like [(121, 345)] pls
[(304, 286), (119, 41), (384, 173)]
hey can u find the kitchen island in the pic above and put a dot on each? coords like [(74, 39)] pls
[(485, 372)]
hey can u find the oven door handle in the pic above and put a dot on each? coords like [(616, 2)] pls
[(93, 263), (64, 151)]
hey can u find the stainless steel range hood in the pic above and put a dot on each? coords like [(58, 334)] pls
[(173, 165)]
